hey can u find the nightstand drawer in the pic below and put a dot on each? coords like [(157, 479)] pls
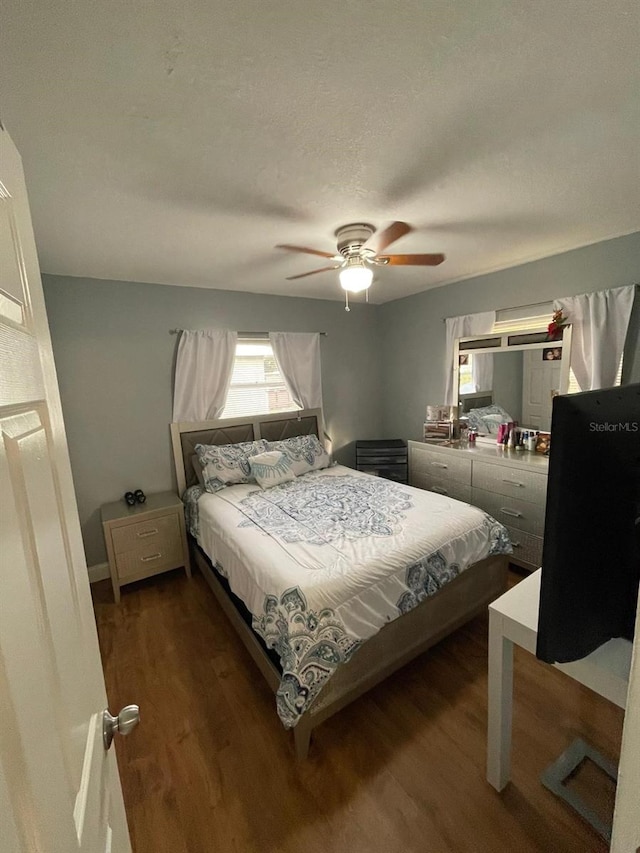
[(158, 533), (441, 465), (149, 559), (523, 515), (527, 485)]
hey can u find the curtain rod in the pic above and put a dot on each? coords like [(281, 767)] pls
[(533, 304), (241, 334)]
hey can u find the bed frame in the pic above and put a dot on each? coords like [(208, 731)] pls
[(396, 643)]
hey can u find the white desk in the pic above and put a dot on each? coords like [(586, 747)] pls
[(513, 618)]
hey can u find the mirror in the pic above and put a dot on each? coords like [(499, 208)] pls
[(510, 383)]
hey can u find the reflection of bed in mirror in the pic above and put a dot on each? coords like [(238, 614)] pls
[(480, 413), (474, 400)]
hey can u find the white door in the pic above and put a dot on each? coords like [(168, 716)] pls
[(59, 788), (540, 382)]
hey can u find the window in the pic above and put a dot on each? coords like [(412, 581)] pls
[(523, 319), (257, 386), (574, 388)]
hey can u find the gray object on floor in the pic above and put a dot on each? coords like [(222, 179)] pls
[(556, 774)]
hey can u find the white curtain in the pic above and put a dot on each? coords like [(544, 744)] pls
[(600, 323), (481, 365), (298, 357), (203, 374)]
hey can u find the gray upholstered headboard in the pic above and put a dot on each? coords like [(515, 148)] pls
[(476, 400), (185, 436)]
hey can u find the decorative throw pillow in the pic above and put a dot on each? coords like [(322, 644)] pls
[(227, 464), (272, 468), (306, 452)]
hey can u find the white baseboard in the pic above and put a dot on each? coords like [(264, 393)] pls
[(99, 572)]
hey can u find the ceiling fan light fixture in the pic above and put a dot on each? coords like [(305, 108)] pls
[(355, 276)]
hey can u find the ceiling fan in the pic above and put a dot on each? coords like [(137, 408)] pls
[(361, 247)]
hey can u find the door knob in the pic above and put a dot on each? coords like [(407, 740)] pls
[(125, 722)]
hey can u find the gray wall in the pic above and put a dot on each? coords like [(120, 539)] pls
[(381, 364), (114, 356), (413, 330)]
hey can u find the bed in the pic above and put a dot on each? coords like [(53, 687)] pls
[(334, 580)]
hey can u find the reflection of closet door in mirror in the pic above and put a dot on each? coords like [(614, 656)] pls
[(541, 380)]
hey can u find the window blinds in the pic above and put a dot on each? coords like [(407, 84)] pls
[(257, 387)]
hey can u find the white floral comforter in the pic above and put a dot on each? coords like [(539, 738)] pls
[(325, 561)]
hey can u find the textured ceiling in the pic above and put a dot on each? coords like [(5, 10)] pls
[(177, 142)]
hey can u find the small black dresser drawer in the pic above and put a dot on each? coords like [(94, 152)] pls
[(383, 458)]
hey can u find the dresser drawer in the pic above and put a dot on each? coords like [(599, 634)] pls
[(527, 485), (448, 488), (527, 548), (161, 532), (522, 515), (149, 559), (445, 466)]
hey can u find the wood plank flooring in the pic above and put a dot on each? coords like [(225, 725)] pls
[(211, 769)]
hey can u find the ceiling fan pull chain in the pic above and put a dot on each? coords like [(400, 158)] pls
[(346, 296)]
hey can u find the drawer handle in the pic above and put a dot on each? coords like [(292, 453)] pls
[(439, 491), (513, 483), (148, 533), (439, 465), (511, 512), (152, 557)]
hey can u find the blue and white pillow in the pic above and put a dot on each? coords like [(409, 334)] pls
[(488, 418), (272, 468), (227, 464), (306, 452)]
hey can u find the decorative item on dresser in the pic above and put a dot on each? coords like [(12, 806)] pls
[(384, 458), (144, 539), (510, 486)]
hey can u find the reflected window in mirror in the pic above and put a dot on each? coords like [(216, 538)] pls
[(466, 385)]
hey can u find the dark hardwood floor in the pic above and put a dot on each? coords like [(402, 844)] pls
[(211, 768)]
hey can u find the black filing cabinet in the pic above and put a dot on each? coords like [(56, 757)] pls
[(384, 458)]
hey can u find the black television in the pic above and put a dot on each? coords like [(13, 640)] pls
[(591, 551)]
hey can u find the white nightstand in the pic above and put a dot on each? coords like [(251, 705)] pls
[(144, 539)]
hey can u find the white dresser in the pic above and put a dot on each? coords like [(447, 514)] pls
[(509, 485)]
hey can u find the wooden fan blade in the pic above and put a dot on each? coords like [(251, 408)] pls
[(306, 251), (379, 241), (313, 272), (412, 260)]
